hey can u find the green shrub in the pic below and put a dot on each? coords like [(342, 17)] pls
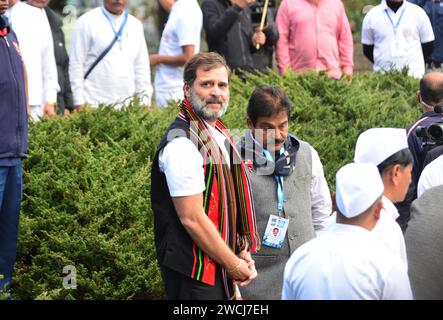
[(87, 179), (87, 204)]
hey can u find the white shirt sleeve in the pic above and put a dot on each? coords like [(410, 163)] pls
[(142, 69), (182, 164), (79, 51), (425, 27), (49, 66), (186, 32), (321, 203), (367, 32)]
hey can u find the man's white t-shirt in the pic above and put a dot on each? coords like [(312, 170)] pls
[(182, 164), (397, 37), (183, 28)]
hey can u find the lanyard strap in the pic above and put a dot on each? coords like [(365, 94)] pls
[(279, 179), (392, 22), (109, 47), (120, 31)]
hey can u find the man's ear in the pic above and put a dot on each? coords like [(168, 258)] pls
[(250, 124), (378, 208), (186, 90), (395, 174)]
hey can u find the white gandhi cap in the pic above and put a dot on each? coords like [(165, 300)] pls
[(377, 144), (358, 186)]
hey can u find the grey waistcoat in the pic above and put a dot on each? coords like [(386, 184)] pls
[(424, 242), (270, 262)]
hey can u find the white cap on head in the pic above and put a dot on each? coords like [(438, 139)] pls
[(377, 144), (358, 186)]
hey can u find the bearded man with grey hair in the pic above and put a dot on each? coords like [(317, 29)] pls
[(204, 221)]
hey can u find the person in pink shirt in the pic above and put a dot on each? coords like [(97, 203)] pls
[(314, 35)]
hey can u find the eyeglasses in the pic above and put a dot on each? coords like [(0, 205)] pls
[(438, 108), (426, 105)]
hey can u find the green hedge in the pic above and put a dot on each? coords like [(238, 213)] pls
[(87, 179)]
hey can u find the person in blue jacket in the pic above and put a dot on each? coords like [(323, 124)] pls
[(13, 144), (434, 10)]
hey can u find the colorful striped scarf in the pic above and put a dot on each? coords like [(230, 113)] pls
[(227, 191)]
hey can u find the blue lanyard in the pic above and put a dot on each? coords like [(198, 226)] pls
[(398, 22), (118, 34), (279, 179)]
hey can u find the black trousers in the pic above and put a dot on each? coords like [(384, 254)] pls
[(181, 287)]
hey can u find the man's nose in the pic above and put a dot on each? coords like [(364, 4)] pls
[(277, 134), (215, 91)]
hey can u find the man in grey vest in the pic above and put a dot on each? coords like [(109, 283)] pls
[(289, 189)]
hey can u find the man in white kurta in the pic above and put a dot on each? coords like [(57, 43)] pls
[(347, 261), (179, 42), (36, 46), (376, 146), (123, 72)]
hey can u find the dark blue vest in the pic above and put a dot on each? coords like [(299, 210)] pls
[(13, 114)]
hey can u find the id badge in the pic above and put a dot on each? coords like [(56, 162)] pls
[(275, 232)]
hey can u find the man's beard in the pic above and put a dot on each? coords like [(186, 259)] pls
[(201, 109), (394, 5)]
